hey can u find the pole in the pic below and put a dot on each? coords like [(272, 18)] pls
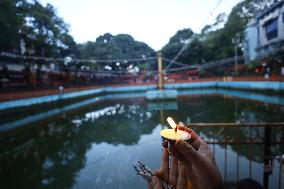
[(236, 59), (160, 71), (267, 159)]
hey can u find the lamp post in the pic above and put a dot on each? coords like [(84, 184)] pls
[(236, 59), (160, 71), (236, 41)]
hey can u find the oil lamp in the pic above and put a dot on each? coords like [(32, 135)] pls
[(174, 133)]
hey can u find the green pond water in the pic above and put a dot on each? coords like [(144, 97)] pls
[(96, 144)]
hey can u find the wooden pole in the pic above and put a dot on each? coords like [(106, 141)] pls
[(160, 71)]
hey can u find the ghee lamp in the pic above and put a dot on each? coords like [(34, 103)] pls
[(174, 133)]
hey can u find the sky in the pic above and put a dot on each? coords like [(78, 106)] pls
[(149, 21)]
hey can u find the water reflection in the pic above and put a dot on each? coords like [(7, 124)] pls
[(20, 117), (95, 146)]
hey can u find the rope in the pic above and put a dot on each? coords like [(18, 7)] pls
[(182, 69), (180, 52), (193, 36), (122, 61), (175, 62)]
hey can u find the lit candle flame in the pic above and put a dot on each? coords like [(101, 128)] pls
[(171, 122)]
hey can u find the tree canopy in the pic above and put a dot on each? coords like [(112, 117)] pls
[(118, 47), (121, 46), (216, 41), (29, 28)]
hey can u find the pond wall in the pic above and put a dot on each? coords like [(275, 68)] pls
[(250, 85), (246, 85), (153, 105)]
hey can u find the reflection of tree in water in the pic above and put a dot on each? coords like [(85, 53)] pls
[(122, 124), (252, 151), (57, 151), (52, 160), (214, 109), (50, 154)]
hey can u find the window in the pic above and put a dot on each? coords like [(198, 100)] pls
[(271, 29)]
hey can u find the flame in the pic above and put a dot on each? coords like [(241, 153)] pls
[(171, 122)]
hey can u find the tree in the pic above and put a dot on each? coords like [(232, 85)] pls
[(176, 42), (9, 25), (45, 32), (29, 27), (109, 47), (216, 41)]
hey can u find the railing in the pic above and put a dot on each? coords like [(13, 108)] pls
[(265, 141)]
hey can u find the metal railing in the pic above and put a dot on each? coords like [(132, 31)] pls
[(264, 141)]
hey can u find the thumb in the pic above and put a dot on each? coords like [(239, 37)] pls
[(186, 150), (156, 183), (159, 173)]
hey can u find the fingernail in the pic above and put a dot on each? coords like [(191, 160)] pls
[(168, 151), (172, 150), (165, 144)]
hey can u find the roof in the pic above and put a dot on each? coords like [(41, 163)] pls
[(270, 9)]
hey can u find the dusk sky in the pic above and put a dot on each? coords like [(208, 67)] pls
[(150, 21)]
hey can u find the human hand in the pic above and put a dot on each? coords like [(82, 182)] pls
[(175, 175), (199, 160)]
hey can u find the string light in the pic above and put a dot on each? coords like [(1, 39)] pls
[(114, 61)]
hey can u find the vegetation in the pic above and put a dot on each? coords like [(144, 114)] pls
[(216, 41), (119, 47), (29, 28)]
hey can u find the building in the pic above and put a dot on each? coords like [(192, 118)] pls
[(265, 33)]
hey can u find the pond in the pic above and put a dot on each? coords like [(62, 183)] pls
[(93, 142)]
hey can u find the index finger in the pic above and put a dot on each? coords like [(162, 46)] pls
[(182, 127), (155, 184), (194, 136), (164, 165), (173, 171), (182, 177)]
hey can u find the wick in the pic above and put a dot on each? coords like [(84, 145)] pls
[(176, 128)]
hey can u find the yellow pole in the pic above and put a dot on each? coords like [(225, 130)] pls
[(160, 71), (162, 117)]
